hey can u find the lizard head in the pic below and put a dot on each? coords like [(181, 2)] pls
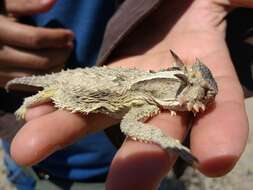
[(198, 88)]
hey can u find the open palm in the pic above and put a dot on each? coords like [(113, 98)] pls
[(218, 137)]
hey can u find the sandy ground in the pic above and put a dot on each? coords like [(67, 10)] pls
[(241, 178)]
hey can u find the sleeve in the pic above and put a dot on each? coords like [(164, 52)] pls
[(127, 17)]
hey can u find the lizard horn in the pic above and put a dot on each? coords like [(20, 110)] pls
[(177, 61)]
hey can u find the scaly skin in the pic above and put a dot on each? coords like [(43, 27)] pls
[(129, 94)]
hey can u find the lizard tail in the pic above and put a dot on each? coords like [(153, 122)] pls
[(186, 155), (34, 81)]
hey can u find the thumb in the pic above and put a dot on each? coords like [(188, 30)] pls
[(27, 7)]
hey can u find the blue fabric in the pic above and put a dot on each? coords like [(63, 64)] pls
[(87, 19), (89, 158)]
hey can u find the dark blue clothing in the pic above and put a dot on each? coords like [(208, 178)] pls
[(90, 157), (87, 19)]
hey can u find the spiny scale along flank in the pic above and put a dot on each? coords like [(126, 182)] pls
[(129, 94)]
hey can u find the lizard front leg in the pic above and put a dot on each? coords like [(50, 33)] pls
[(39, 98), (132, 125)]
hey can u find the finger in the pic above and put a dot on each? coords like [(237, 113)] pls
[(147, 163), (219, 139), (237, 3), (39, 111), (43, 135), (34, 59), (28, 7), (219, 135), (24, 36)]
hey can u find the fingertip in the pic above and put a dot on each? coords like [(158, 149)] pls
[(45, 5), (58, 38), (218, 166), (69, 38), (143, 164), (219, 139), (69, 34), (47, 2), (19, 8), (26, 149)]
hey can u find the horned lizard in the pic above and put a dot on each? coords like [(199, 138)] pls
[(129, 94)]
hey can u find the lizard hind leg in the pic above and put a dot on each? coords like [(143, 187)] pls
[(132, 126), (39, 98)]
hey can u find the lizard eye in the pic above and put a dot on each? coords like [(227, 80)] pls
[(206, 75), (182, 77)]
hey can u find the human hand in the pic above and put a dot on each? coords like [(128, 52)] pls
[(192, 29), (27, 50)]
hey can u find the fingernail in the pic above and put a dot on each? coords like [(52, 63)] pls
[(70, 40), (67, 40), (45, 1), (70, 45)]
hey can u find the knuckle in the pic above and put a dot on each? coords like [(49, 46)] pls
[(44, 64), (36, 39)]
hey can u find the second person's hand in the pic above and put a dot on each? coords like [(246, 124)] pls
[(27, 50)]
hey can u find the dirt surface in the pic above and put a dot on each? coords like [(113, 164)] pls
[(241, 178)]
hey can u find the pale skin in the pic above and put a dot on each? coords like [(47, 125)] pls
[(218, 137)]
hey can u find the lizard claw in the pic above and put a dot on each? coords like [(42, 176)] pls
[(202, 107), (196, 108), (173, 113)]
